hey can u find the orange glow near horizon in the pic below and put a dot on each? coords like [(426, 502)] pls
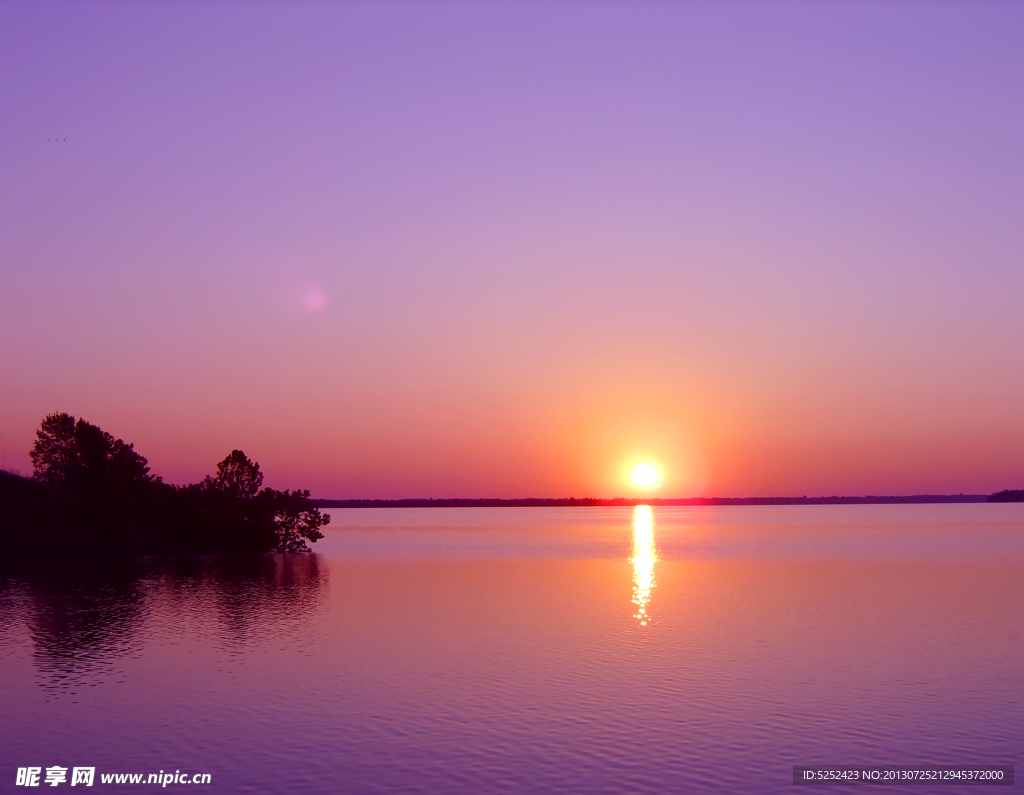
[(461, 301)]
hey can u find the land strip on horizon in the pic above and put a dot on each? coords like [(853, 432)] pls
[(570, 502)]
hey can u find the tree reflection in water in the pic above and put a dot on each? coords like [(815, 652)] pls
[(81, 625), (84, 625)]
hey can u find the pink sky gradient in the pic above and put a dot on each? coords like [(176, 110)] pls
[(403, 250)]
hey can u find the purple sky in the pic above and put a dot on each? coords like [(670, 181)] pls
[(508, 249)]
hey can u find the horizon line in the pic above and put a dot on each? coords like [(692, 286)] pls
[(1007, 495)]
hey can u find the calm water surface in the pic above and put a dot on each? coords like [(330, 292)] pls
[(550, 650)]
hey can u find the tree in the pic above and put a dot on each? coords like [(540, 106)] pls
[(296, 518), (291, 516), (237, 476), (55, 452), (66, 450), (93, 492)]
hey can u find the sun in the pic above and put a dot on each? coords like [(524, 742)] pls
[(645, 475)]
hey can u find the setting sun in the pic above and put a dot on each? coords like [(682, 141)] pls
[(645, 475)]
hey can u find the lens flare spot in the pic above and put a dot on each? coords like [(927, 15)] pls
[(314, 299)]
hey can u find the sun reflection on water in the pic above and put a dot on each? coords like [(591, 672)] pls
[(645, 555)]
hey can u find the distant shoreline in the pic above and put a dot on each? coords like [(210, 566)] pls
[(579, 502)]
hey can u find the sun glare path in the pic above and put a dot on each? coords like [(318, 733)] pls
[(645, 555)]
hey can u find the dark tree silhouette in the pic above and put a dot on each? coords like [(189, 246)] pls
[(55, 452), (66, 450), (93, 494), (237, 476), (296, 518)]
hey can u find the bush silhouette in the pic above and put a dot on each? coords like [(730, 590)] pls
[(93, 493)]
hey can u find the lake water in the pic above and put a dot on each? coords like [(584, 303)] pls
[(536, 650)]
